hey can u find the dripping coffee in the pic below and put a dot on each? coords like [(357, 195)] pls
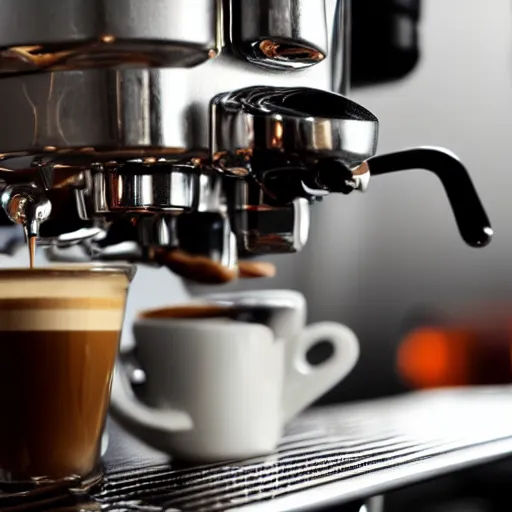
[(32, 250), (59, 336)]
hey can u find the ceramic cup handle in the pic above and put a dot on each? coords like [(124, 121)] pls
[(127, 409), (305, 382)]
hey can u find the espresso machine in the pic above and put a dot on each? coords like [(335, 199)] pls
[(162, 131), (198, 134)]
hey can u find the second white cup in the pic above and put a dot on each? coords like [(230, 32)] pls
[(223, 384)]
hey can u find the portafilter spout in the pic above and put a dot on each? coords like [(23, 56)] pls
[(27, 205)]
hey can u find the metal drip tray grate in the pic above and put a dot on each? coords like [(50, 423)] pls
[(330, 454)]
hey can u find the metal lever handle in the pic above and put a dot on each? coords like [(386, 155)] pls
[(472, 221)]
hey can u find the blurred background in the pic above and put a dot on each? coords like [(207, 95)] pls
[(390, 261)]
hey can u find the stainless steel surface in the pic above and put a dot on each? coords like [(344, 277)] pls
[(151, 110), (123, 128), (81, 126), (270, 230), (174, 181), (291, 120), (37, 34), (92, 110), (329, 456), (341, 49), (154, 187), (275, 142), (143, 238), (279, 34)]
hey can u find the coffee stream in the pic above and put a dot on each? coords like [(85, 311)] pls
[(32, 250)]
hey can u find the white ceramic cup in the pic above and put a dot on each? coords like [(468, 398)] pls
[(219, 389)]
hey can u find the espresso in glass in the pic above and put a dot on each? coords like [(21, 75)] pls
[(59, 337)]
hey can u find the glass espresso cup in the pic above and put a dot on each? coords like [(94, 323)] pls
[(59, 336)]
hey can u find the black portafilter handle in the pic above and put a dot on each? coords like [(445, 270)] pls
[(472, 221)]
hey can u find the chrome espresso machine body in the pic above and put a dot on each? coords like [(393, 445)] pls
[(135, 130)]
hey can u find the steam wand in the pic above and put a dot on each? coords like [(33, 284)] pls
[(472, 221)]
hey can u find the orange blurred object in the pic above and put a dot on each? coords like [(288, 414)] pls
[(452, 355)]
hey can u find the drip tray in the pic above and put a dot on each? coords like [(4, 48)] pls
[(329, 455)]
